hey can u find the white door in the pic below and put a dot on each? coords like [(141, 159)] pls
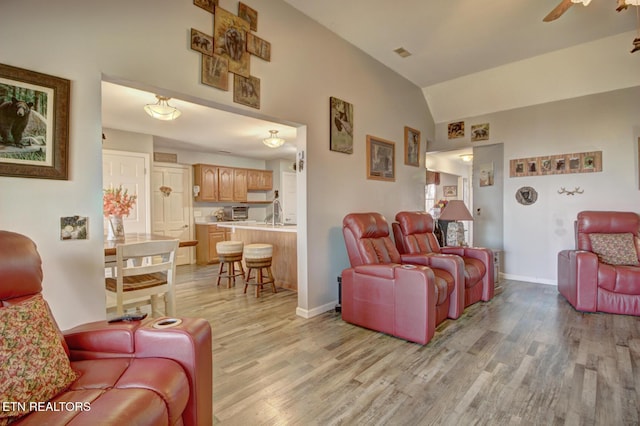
[(171, 205), (289, 197), (129, 170)]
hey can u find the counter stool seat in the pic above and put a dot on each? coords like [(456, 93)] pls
[(257, 258), (230, 254)]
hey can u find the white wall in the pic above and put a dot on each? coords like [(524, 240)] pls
[(146, 41), (607, 122)]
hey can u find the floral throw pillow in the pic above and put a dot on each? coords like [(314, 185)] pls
[(34, 366), (615, 249)]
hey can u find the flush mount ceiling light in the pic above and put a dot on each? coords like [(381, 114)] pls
[(466, 157), (273, 141), (162, 110)]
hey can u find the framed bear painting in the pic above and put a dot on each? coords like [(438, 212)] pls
[(34, 124)]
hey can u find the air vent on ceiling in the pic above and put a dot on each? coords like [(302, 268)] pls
[(402, 52)]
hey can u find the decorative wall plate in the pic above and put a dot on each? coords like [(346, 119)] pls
[(526, 195)]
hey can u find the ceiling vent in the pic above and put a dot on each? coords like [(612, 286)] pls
[(402, 52)]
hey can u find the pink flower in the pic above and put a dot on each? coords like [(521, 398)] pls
[(117, 202)]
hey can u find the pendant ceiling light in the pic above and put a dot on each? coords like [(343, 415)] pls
[(273, 141), (162, 110)]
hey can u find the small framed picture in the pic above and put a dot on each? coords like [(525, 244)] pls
[(248, 14), (546, 165), (559, 164), (517, 168), (258, 47), (575, 163), (208, 5), (479, 132), (73, 228), (450, 191), (411, 147), (533, 166), (341, 126), (246, 91), (456, 130), (201, 42), (215, 72), (381, 159)]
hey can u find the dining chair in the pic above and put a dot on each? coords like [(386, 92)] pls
[(143, 272)]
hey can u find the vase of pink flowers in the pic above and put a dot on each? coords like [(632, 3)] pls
[(116, 204)]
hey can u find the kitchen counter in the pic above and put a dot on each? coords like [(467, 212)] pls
[(257, 226), (283, 238)]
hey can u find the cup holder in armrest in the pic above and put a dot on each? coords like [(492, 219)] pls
[(166, 323)]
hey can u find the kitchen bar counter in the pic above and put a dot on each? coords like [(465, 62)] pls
[(283, 238)]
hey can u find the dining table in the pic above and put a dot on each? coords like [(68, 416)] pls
[(138, 237)]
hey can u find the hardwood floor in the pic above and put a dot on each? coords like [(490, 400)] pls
[(527, 357)]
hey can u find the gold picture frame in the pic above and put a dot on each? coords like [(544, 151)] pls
[(215, 72), (230, 41), (411, 147), (381, 159), (246, 91)]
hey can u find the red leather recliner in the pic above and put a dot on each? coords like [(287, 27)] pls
[(130, 372), (591, 285), (413, 233), (380, 293)]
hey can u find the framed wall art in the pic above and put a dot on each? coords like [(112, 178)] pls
[(248, 14), (208, 5), (449, 191), (381, 159), (201, 42), (411, 147), (455, 130), (579, 162), (215, 71), (341, 134), (34, 124), (479, 132), (230, 40), (485, 175), (259, 47), (246, 91)]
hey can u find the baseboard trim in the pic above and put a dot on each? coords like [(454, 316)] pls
[(310, 313), (528, 279)]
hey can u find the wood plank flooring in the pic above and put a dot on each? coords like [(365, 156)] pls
[(525, 358)]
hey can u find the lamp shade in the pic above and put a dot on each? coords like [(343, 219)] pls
[(273, 141), (455, 210), (161, 110)]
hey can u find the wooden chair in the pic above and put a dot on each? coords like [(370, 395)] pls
[(143, 272)]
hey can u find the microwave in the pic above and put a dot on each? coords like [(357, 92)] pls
[(234, 213)]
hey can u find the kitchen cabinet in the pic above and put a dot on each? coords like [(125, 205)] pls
[(259, 180), (208, 235), (219, 183), (239, 184), (206, 177)]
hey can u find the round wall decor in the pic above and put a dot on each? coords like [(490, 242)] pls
[(526, 195)]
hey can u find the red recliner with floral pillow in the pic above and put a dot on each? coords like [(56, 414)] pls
[(98, 373), (380, 293), (603, 273), (413, 233)]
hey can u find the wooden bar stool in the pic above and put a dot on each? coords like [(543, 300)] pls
[(257, 258), (230, 253)]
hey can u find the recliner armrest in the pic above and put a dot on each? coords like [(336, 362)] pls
[(101, 337)]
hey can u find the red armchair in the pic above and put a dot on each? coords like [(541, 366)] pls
[(413, 233), (603, 273), (380, 293), (120, 373)]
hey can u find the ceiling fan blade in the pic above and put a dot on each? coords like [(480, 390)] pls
[(558, 11)]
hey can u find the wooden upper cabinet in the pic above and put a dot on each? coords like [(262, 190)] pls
[(259, 180), (240, 184), (206, 177), (229, 183), (226, 178)]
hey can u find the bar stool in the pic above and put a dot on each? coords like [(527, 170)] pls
[(257, 258), (230, 253)]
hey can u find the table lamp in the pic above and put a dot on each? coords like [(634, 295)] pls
[(455, 211)]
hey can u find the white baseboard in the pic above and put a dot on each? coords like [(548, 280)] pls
[(310, 313), (528, 279)]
